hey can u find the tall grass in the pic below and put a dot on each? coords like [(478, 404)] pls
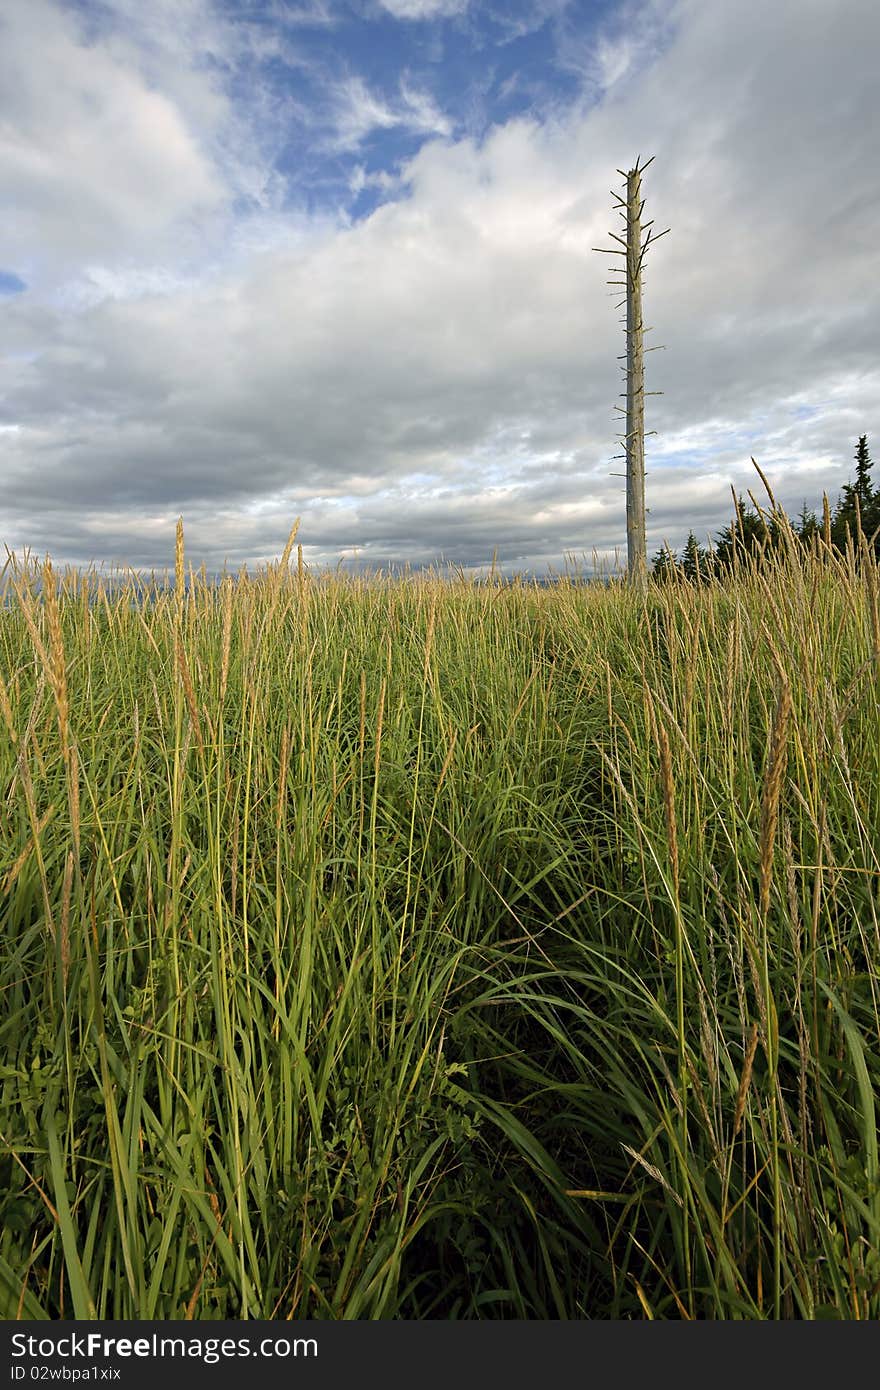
[(424, 949)]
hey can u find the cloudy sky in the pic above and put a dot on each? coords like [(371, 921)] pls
[(262, 259)]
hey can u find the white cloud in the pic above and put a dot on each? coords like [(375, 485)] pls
[(422, 113), (633, 34), (613, 60), (92, 159), (121, 154), (424, 9), (357, 113)]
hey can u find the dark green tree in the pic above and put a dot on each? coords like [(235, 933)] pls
[(754, 534), (863, 487), (664, 565), (695, 562), (857, 505), (807, 526), (868, 495), (744, 538)]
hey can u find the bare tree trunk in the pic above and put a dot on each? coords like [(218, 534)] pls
[(633, 251), (636, 552)]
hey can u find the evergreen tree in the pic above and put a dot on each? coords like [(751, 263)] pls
[(807, 527), (868, 495), (744, 537), (857, 503), (664, 565), (863, 487), (753, 534), (843, 521), (695, 561)]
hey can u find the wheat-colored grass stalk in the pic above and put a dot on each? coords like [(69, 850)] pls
[(669, 802), (768, 489), (429, 634), (872, 580), (282, 777), (65, 916), (745, 1079), (37, 825), (772, 790), (189, 692), (179, 570), (6, 711), (73, 794), (826, 522), (226, 636), (288, 549), (13, 872), (57, 671), (794, 911), (26, 608), (380, 717)]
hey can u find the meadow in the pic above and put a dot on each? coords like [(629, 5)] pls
[(431, 949)]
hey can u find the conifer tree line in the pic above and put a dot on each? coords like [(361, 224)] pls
[(754, 533)]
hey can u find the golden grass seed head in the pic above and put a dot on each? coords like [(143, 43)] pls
[(772, 791)]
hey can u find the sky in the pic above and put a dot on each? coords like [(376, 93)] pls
[(331, 259)]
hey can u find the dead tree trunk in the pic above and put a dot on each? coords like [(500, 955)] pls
[(636, 552), (633, 250)]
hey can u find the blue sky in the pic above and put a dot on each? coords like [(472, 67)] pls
[(262, 259), (11, 283), (450, 75)]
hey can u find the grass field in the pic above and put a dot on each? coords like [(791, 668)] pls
[(423, 949)]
